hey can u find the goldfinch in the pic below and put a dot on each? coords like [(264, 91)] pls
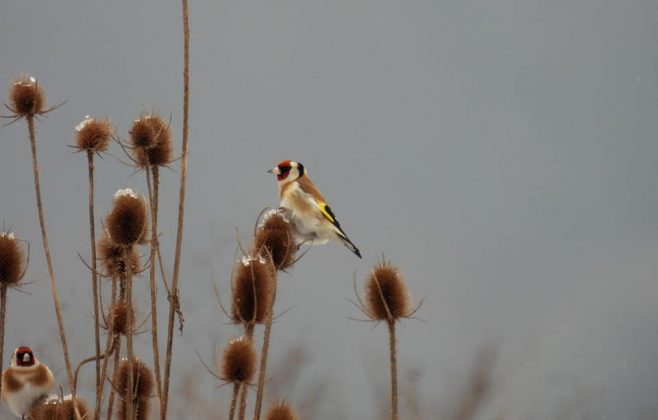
[(25, 382), (311, 217)]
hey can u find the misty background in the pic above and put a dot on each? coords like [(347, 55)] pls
[(502, 153)]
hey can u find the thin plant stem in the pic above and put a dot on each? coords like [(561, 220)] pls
[(249, 334), (3, 312), (109, 347), (129, 335), (174, 305), (263, 356), (94, 279), (51, 271), (153, 182), (115, 369), (234, 401), (244, 388), (394, 368)]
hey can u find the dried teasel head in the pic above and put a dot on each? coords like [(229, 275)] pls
[(151, 141), (143, 385), (254, 285), (387, 296), (281, 411), (93, 135), (238, 361), (117, 318), (274, 238), (53, 407), (26, 98), (12, 260), (113, 259), (127, 222)]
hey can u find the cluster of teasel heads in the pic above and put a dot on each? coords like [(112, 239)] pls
[(132, 221), (125, 227), (253, 293)]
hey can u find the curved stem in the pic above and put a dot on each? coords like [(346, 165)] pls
[(174, 305), (51, 271)]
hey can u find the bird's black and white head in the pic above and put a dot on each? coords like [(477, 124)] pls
[(288, 171), (23, 357)]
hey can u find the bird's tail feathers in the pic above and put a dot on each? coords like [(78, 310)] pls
[(351, 246)]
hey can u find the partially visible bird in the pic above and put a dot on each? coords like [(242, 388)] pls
[(312, 218), (25, 382)]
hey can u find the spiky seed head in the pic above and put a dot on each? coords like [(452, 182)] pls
[(12, 261), (151, 141), (142, 388), (281, 411), (274, 237), (238, 361), (127, 223), (253, 290), (112, 257), (387, 295), (93, 135), (26, 97), (117, 318), (60, 409)]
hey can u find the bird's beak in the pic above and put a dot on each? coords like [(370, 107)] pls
[(274, 171)]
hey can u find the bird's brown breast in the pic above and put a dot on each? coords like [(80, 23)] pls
[(40, 377), (10, 381)]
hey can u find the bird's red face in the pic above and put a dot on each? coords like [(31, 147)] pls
[(24, 357), (283, 169)]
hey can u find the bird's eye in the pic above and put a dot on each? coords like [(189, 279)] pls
[(284, 169)]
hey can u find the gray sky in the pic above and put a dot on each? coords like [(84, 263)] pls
[(502, 153)]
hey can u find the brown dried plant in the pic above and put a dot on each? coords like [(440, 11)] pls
[(27, 100)]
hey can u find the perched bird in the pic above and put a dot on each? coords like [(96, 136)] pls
[(312, 218), (25, 382)]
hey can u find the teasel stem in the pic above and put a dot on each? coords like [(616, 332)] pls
[(109, 347), (94, 277), (234, 401), (116, 349), (51, 271), (153, 182), (174, 298), (394, 368), (129, 335), (263, 358), (3, 312)]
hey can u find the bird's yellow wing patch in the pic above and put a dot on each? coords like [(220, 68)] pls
[(326, 211)]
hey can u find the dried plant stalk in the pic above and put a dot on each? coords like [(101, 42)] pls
[(3, 311), (153, 182), (174, 305), (394, 369), (129, 338), (234, 401), (94, 279), (51, 271), (263, 358)]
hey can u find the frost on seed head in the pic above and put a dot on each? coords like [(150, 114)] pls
[(247, 260), (28, 81), (281, 212), (83, 123), (126, 192), (8, 235)]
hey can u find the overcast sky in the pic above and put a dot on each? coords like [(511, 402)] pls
[(503, 153)]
